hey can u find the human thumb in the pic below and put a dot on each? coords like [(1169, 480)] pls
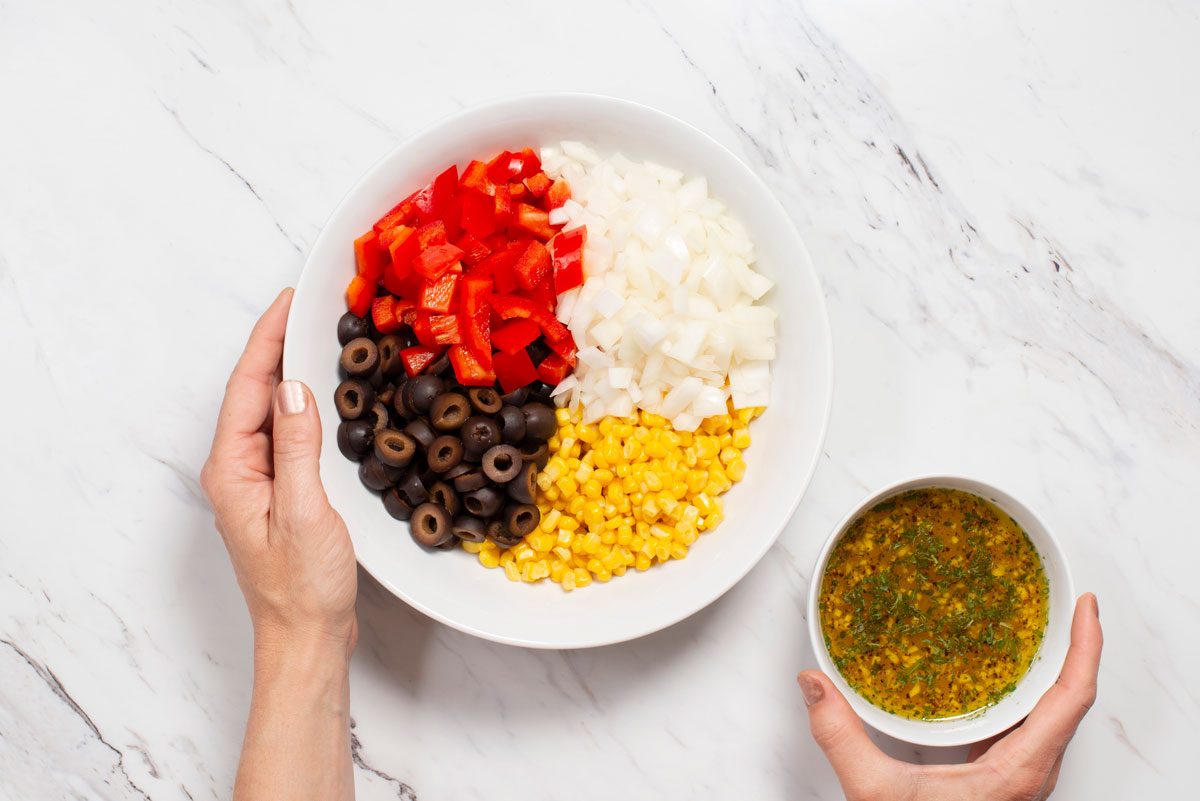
[(297, 441), (837, 730)]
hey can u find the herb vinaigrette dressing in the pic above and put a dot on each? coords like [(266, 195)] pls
[(933, 604)]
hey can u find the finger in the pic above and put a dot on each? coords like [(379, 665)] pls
[(1054, 719), (835, 727), (980, 748), (1052, 779), (247, 401), (297, 442)]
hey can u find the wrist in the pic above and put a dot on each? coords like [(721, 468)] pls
[(278, 645)]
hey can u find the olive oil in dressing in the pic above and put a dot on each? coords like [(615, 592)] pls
[(933, 604)]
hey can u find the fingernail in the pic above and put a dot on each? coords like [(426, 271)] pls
[(812, 689), (292, 398), (1095, 605)]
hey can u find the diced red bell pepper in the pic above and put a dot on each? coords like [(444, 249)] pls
[(475, 177), (513, 166), (514, 370), (423, 329), (474, 251), (369, 257), (431, 234), (499, 266), (405, 286), (435, 200), (433, 261), (384, 314), (514, 335), (402, 247), (359, 294), (534, 221), (438, 296), (405, 310), (532, 265), (543, 293), (476, 323), (565, 348), (470, 371), (403, 213), (553, 369), (510, 307), (445, 329), (558, 194), (505, 212), (478, 212), (417, 358), (567, 250), (498, 241), (517, 191), (538, 184)]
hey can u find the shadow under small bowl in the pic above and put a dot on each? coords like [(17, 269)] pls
[(1042, 673)]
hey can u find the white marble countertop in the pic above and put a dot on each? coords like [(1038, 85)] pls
[(1001, 200)]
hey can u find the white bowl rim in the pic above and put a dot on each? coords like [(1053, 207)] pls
[(911, 730), (821, 310)]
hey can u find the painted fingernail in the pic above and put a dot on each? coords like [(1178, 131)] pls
[(812, 689), (292, 398)]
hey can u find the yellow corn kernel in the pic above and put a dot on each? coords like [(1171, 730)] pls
[(713, 520), (588, 433), (524, 553), (566, 523), (563, 416), (624, 534), (604, 575), (728, 454), (642, 562), (568, 580), (541, 569), (563, 553), (582, 577), (591, 488), (550, 522), (741, 438), (564, 537), (558, 569), (511, 571), (472, 547), (489, 558), (636, 542), (507, 557), (550, 493), (542, 542), (736, 470), (662, 532), (652, 420), (678, 550), (654, 482)]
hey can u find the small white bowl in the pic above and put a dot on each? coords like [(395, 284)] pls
[(1041, 675), (453, 587)]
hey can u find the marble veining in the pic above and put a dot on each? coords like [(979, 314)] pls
[(1000, 200)]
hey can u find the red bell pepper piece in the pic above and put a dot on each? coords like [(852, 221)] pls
[(476, 323), (438, 295), (474, 251), (498, 241), (384, 314), (511, 307), (445, 329), (402, 247), (538, 184), (513, 166), (470, 371), (553, 369), (475, 177), (478, 212), (532, 265), (543, 293), (505, 213), (369, 257), (407, 286), (565, 348), (517, 191), (423, 329), (558, 194), (433, 261), (514, 335), (435, 200), (534, 221), (417, 358), (431, 234), (403, 213), (359, 294), (567, 250), (514, 370)]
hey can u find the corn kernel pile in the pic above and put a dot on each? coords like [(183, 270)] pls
[(622, 493)]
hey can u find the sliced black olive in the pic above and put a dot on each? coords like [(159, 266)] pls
[(360, 357), (470, 481), (395, 448), (376, 380), (440, 366), (521, 518), (537, 453), (483, 502), (539, 392), (377, 416), (512, 424), (516, 397), (350, 326), (406, 336), (389, 355), (457, 470), (502, 463), (485, 400), (523, 487), (386, 395), (412, 489), (352, 398), (538, 350), (421, 431), (497, 533), (443, 453), (354, 439), (469, 528), (449, 411), (425, 389), (540, 422), (431, 525), (396, 505), (478, 434), (376, 475), (443, 494)]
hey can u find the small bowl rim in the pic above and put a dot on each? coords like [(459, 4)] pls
[(1002, 715)]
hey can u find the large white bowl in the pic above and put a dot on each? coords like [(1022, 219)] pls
[(1011, 709), (453, 587)]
